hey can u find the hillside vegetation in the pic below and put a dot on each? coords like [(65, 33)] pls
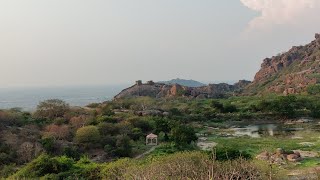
[(58, 141)]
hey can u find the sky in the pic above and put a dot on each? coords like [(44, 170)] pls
[(93, 42)]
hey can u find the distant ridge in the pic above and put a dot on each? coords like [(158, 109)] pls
[(162, 90), (184, 82)]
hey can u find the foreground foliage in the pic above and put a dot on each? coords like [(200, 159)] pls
[(185, 165), (107, 131)]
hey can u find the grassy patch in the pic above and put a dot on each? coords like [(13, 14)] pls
[(309, 162)]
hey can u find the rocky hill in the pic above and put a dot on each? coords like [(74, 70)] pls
[(159, 90), (291, 72), (183, 82)]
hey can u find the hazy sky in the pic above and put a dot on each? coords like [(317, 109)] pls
[(78, 42)]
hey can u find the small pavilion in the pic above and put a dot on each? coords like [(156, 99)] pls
[(152, 140)]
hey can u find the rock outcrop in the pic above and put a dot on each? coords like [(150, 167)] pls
[(280, 157), (160, 90), (290, 72)]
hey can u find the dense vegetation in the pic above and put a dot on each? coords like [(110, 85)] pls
[(59, 142)]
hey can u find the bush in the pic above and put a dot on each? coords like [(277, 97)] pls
[(7, 170), (142, 124), (44, 165), (51, 109), (48, 144), (227, 153), (71, 152), (123, 146), (229, 108), (183, 135), (108, 129), (285, 106), (217, 105), (185, 165), (87, 134), (313, 89), (117, 169)]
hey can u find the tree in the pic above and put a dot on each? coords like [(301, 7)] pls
[(123, 146), (78, 121), (313, 89), (183, 135), (143, 124), (162, 125), (87, 134), (285, 106), (51, 109), (229, 108), (315, 109), (58, 132), (48, 144), (106, 129), (217, 105)]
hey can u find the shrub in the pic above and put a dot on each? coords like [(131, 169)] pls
[(183, 135), (229, 108), (87, 134), (117, 169), (51, 109), (313, 89), (108, 129), (44, 165), (227, 153), (123, 146), (185, 165), (48, 144)]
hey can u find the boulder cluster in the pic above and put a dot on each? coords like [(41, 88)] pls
[(280, 157)]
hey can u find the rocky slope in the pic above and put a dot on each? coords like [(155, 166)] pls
[(160, 90), (290, 72)]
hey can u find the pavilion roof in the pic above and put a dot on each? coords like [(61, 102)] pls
[(152, 136)]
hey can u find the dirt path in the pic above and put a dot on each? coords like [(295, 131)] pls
[(146, 153)]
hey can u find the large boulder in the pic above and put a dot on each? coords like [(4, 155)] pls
[(296, 157)]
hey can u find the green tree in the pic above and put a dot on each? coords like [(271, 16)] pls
[(285, 106), (313, 89), (162, 125), (48, 144), (123, 146), (217, 105), (87, 134), (229, 108), (315, 109), (183, 135)]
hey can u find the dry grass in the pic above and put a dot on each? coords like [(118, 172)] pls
[(187, 165)]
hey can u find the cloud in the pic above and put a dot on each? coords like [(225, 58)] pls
[(282, 12)]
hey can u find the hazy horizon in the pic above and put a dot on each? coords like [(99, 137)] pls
[(50, 43)]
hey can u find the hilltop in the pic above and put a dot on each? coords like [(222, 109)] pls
[(161, 90), (183, 82)]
